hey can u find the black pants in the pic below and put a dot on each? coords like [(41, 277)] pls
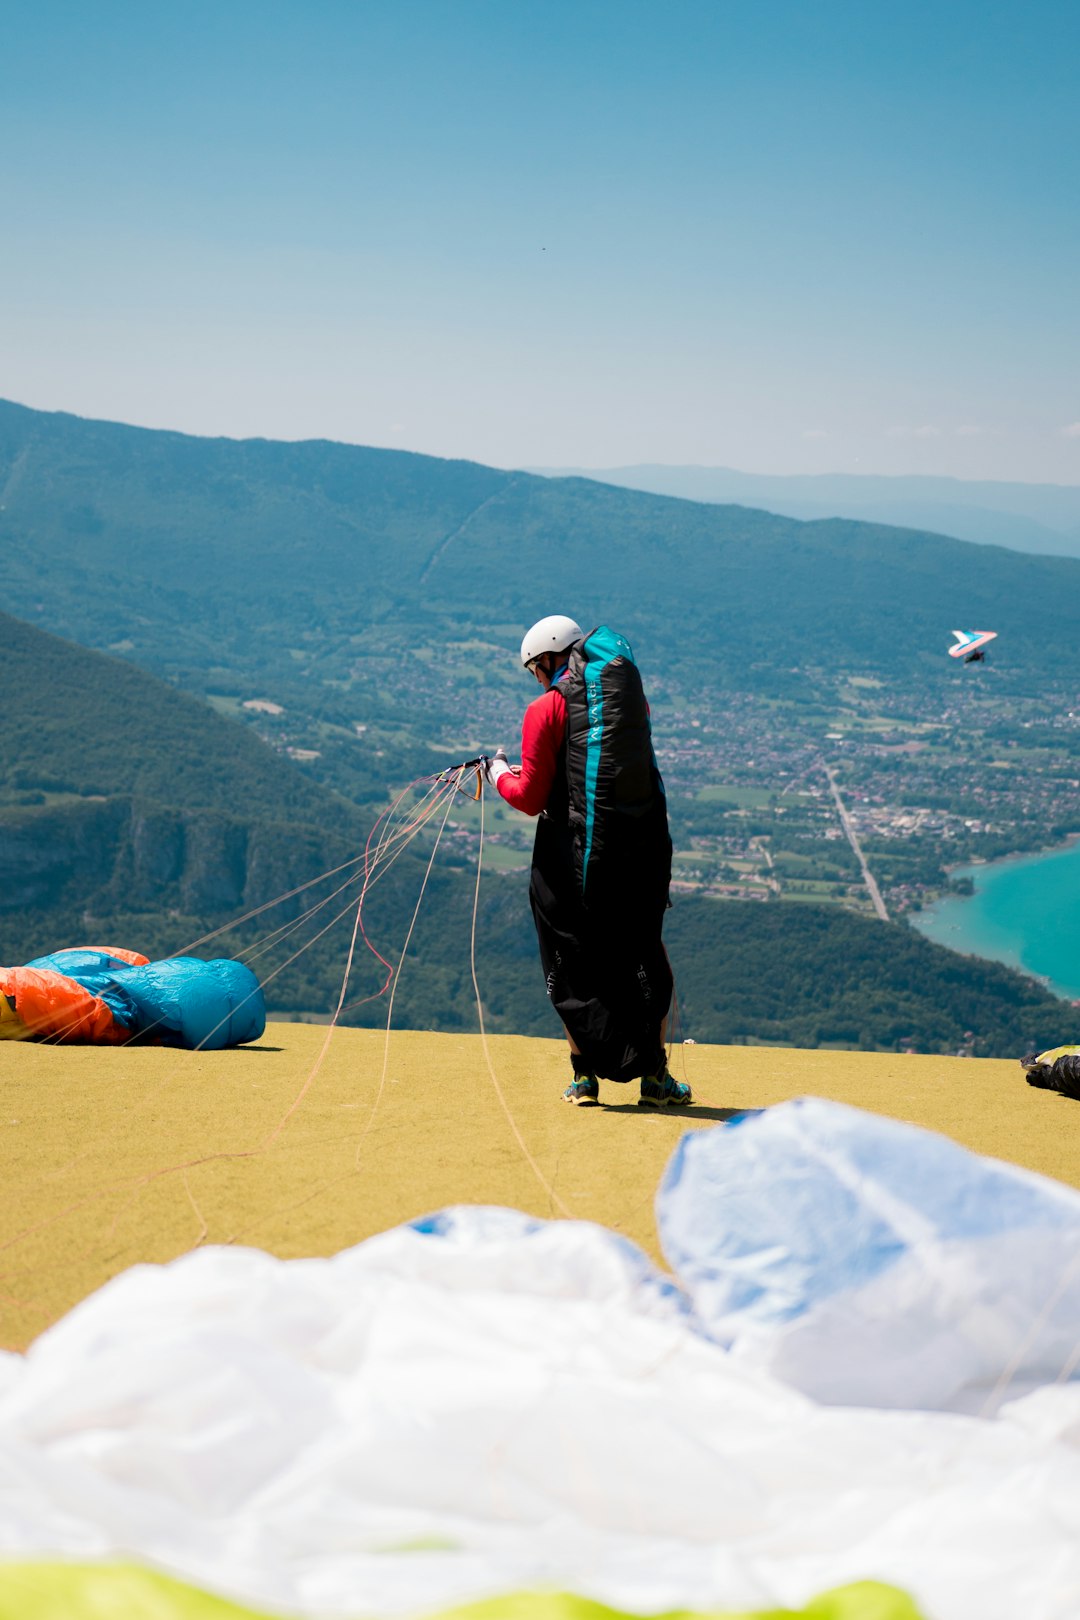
[(603, 956)]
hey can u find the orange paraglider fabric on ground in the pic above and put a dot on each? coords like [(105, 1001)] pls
[(132, 958), (12, 1027), (49, 1004)]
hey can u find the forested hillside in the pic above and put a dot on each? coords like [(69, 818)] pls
[(76, 723), (811, 976), (118, 793)]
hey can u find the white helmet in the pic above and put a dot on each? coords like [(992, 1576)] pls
[(554, 634)]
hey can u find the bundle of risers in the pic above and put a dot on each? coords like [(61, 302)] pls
[(111, 996)]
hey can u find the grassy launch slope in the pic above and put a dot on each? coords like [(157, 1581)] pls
[(112, 1157)]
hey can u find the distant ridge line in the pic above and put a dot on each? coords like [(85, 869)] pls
[(1041, 518)]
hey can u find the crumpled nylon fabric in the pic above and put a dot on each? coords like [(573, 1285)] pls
[(868, 1262), (128, 1592), (44, 1004), (482, 1403), (109, 995)]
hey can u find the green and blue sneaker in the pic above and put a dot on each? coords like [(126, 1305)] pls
[(662, 1091), (584, 1089)]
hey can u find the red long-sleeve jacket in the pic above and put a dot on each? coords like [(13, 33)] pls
[(542, 733)]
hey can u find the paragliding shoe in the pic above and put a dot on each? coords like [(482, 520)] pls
[(584, 1090), (663, 1091)]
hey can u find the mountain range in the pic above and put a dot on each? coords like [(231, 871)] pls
[(1041, 518), (305, 561)]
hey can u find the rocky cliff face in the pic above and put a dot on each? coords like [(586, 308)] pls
[(59, 855), (124, 854)]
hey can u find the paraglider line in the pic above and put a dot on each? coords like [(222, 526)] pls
[(199, 1216), (556, 1201), (1069, 1366), (1038, 1322), (377, 864), (287, 1209), (396, 974), (359, 931), (268, 905), (403, 837), (362, 859), (384, 843), (137, 1183)]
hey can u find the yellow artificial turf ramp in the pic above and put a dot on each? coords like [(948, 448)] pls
[(57, 1591), (111, 1156)]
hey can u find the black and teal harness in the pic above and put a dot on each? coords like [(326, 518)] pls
[(612, 780), (602, 867)]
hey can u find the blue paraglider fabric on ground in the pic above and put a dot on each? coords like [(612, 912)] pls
[(182, 1001)]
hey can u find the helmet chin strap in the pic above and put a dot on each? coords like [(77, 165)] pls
[(548, 666)]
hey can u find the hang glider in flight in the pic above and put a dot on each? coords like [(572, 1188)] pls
[(971, 645)]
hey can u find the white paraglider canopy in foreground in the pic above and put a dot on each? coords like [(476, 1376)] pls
[(480, 1403)]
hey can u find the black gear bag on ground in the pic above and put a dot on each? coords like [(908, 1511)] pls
[(1055, 1070)]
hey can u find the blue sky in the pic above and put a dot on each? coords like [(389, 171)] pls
[(780, 235)]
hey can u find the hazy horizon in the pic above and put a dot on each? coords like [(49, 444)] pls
[(781, 240), (570, 470)]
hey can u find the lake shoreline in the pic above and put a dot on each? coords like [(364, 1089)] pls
[(1024, 912), (979, 862)]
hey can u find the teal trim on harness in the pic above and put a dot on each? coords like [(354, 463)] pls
[(600, 650)]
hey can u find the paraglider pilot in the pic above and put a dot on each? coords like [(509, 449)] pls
[(601, 864)]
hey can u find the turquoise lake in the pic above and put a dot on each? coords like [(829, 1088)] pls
[(1025, 912)]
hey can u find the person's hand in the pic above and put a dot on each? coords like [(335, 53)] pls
[(495, 767)]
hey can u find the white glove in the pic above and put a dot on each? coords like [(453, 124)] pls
[(495, 767)]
